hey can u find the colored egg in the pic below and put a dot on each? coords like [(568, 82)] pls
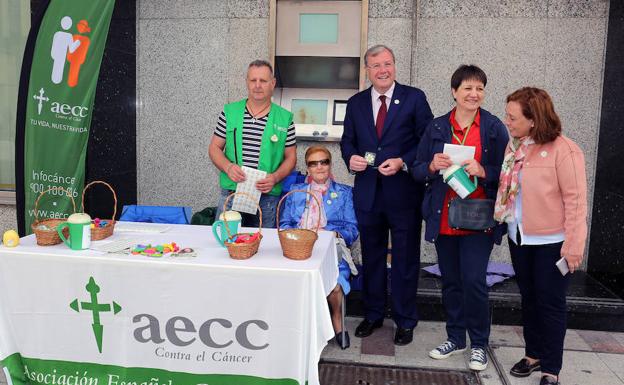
[(10, 238)]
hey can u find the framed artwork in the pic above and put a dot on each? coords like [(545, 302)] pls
[(340, 108)]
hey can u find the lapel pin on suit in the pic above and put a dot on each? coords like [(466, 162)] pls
[(397, 101)]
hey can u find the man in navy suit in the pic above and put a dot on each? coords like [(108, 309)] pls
[(382, 127)]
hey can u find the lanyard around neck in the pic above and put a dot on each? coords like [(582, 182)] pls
[(461, 142)]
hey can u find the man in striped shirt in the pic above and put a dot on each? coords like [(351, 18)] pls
[(259, 134)]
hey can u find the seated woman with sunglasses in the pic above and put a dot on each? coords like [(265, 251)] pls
[(336, 214)]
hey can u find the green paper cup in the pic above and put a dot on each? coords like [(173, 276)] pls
[(457, 178), (79, 225), (219, 227)]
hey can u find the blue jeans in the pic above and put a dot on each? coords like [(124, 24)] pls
[(268, 204), (463, 261)]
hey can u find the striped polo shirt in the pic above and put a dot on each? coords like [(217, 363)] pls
[(252, 136)]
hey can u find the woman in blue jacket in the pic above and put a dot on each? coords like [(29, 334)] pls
[(336, 214), (463, 255)]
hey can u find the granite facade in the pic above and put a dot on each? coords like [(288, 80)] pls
[(606, 238), (8, 219), (555, 45), (111, 154), (192, 60), (192, 57)]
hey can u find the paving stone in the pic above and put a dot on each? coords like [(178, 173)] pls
[(573, 341), (381, 341), (507, 357), (602, 342), (580, 366), (503, 335), (333, 352), (587, 368), (615, 362), (427, 336), (619, 337), (377, 359)]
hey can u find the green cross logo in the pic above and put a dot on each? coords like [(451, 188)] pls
[(95, 308)]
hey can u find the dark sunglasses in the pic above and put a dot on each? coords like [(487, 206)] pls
[(313, 163)]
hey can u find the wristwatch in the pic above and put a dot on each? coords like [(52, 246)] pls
[(404, 167)]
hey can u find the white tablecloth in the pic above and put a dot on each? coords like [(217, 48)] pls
[(203, 320)]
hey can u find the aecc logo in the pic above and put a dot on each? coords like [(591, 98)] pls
[(60, 108)]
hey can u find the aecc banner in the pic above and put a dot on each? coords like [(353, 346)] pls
[(62, 82)]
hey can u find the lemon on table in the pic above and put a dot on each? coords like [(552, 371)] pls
[(10, 238)]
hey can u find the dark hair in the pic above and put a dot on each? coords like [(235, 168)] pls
[(261, 63), (467, 72), (315, 149), (537, 105)]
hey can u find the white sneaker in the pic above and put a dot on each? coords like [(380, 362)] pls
[(478, 359), (445, 350)]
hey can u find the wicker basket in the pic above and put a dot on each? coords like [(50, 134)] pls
[(297, 244), (99, 233), (49, 237), (241, 250)]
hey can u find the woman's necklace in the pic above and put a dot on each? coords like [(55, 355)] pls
[(254, 115)]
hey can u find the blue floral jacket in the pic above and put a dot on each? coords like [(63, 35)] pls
[(338, 205)]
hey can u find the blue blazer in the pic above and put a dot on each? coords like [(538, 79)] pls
[(338, 205), (494, 139), (408, 115)]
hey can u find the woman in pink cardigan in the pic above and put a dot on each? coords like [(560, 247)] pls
[(543, 198)]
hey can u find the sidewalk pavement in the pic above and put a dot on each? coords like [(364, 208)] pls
[(590, 357)]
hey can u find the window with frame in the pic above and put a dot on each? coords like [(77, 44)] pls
[(14, 27)]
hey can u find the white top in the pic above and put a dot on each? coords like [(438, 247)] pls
[(377, 103), (513, 227)]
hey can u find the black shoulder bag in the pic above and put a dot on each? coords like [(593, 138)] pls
[(471, 214)]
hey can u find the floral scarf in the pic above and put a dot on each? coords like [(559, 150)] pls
[(504, 208), (310, 216)]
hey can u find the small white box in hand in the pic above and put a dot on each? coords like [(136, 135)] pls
[(245, 204)]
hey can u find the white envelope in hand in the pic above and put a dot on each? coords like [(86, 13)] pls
[(458, 153)]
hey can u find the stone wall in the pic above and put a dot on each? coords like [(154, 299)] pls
[(8, 219), (192, 57)]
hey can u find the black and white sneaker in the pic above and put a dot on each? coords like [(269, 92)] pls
[(478, 359), (445, 350)]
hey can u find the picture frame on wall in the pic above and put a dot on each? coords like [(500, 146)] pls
[(340, 109)]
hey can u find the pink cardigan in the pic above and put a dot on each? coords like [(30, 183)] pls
[(554, 193)]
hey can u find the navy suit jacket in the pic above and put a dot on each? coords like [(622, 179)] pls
[(408, 115)]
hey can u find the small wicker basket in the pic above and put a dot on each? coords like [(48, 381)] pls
[(99, 233), (49, 236), (297, 244), (241, 250)]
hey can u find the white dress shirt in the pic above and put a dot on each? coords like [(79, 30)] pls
[(377, 103)]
